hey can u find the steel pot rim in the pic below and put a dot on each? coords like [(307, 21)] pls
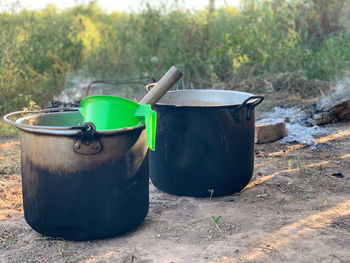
[(59, 130), (249, 99)]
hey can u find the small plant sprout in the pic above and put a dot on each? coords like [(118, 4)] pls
[(215, 221), (61, 247), (290, 163), (325, 199), (294, 162), (211, 191), (282, 203)]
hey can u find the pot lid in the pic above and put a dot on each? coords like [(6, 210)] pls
[(204, 98)]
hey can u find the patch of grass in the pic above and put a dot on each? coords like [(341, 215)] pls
[(9, 158), (7, 130), (6, 243), (6, 239)]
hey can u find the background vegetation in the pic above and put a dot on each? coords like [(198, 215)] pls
[(40, 51)]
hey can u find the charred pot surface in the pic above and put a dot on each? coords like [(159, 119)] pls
[(78, 196), (210, 151), (204, 142)]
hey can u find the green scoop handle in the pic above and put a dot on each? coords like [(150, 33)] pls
[(150, 117)]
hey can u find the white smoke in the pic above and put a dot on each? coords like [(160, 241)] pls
[(340, 92), (76, 89), (73, 94)]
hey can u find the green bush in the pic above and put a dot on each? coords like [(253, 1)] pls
[(331, 60), (41, 50)]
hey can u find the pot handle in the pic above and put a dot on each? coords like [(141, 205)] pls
[(258, 99), (149, 86), (88, 143)]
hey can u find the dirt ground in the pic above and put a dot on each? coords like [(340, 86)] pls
[(295, 209)]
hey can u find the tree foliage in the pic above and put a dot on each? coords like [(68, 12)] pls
[(38, 49)]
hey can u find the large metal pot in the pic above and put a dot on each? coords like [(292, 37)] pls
[(204, 142), (80, 184)]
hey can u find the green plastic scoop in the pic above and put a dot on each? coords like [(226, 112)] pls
[(110, 112)]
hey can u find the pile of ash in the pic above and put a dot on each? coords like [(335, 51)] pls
[(299, 125), (307, 122)]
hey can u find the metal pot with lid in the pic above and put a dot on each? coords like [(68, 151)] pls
[(204, 142)]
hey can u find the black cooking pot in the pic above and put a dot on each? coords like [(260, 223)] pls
[(204, 142), (78, 183)]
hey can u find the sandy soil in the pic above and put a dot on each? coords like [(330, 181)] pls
[(293, 210)]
